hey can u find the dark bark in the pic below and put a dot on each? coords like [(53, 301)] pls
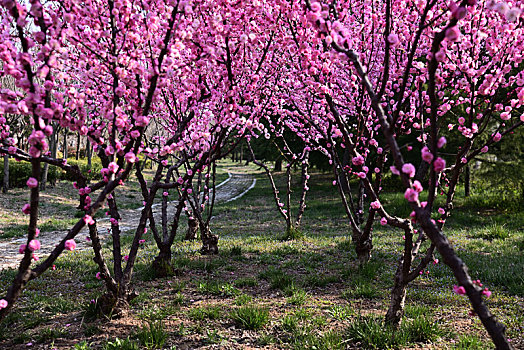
[(398, 299), (89, 151), (162, 263), (53, 147), (278, 165), (209, 242), (192, 229), (342, 179), (77, 155), (64, 146), (467, 181), (5, 181)]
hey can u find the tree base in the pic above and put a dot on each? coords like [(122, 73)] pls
[(163, 267), (112, 306), (209, 245)]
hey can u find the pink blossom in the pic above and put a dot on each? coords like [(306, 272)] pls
[(3, 303), (409, 169), (21, 249), (126, 257), (393, 39), (114, 221), (505, 115), (411, 195), (70, 244), (383, 221), (427, 156), (484, 149), (34, 152), (439, 164), (460, 13), (497, 136), (141, 241), (109, 150), (394, 170), (165, 193), (375, 204), (334, 182), (189, 191), (32, 182), (441, 211), (34, 245), (513, 14), (316, 7), (486, 292), (358, 160), (417, 186), (453, 33), (459, 290), (112, 167), (130, 157), (98, 275), (440, 56), (441, 142), (89, 220), (26, 209)]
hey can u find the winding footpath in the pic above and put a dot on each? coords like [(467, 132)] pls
[(236, 186)]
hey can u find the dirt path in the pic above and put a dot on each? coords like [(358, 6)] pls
[(238, 184)]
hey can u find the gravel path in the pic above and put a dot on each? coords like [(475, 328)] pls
[(231, 189)]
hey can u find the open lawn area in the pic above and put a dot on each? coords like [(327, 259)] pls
[(264, 292)]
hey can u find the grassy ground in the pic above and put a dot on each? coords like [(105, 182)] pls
[(58, 205), (263, 292)]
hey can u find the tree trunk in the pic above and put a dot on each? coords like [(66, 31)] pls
[(398, 298), (363, 246), (278, 165), (241, 157), (89, 152), (359, 215), (64, 150), (341, 177), (467, 182), (116, 305), (192, 228), (422, 171), (209, 241), (162, 263), (5, 182), (53, 147), (77, 155), (43, 180)]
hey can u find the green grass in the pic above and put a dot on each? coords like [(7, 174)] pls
[(121, 344), (250, 317), (215, 287), (152, 335), (205, 313), (277, 278), (316, 293)]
